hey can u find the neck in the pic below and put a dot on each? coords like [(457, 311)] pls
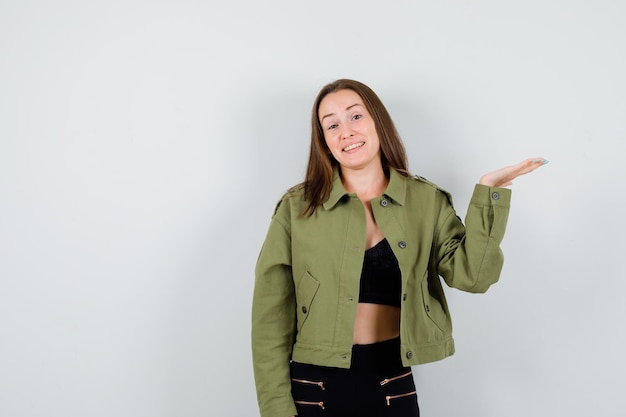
[(367, 184)]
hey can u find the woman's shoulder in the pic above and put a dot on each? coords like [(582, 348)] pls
[(293, 196), (422, 180), (295, 191), (420, 183)]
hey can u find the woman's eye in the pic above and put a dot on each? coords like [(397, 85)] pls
[(357, 116), (331, 127)]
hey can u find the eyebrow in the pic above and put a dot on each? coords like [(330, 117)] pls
[(347, 108)]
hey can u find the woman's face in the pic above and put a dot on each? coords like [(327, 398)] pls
[(349, 131)]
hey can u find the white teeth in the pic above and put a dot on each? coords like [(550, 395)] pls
[(353, 146)]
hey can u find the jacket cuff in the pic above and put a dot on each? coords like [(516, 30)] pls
[(491, 196)]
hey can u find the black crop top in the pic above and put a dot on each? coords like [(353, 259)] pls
[(380, 277)]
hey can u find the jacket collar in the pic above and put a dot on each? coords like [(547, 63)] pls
[(396, 189)]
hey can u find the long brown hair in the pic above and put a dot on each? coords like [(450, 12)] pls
[(319, 174)]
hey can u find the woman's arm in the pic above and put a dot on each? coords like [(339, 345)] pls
[(468, 256), (274, 321)]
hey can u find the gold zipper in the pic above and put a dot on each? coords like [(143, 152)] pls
[(388, 380), (304, 381), (393, 397), (320, 404)]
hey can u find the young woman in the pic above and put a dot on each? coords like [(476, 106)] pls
[(348, 291)]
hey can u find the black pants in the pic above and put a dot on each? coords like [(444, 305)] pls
[(376, 385)]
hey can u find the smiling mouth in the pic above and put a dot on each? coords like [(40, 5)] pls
[(353, 146)]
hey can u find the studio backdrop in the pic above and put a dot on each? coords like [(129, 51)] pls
[(145, 144)]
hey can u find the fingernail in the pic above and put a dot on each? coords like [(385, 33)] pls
[(545, 161), (534, 161)]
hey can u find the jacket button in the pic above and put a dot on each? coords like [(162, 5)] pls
[(495, 195), (402, 244), (404, 297), (409, 354), (427, 308), (304, 309), (384, 203)]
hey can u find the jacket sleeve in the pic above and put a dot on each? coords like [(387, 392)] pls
[(274, 321), (469, 257)]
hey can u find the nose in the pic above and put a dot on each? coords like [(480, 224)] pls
[(347, 132)]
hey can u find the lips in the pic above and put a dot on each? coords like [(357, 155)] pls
[(353, 146)]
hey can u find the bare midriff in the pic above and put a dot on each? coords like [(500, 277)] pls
[(375, 323)]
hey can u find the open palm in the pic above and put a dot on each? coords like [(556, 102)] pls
[(504, 177)]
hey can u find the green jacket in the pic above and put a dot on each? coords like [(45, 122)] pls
[(307, 275)]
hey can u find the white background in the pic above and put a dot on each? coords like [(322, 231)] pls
[(144, 144)]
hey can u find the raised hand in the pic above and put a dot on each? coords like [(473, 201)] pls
[(504, 177)]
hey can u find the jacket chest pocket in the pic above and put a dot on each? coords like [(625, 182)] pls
[(305, 293)]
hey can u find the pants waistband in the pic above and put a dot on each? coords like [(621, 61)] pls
[(377, 356)]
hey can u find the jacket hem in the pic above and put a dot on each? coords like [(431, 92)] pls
[(411, 354)]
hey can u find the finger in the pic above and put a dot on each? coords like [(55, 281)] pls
[(532, 161), (530, 165), (537, 163)]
